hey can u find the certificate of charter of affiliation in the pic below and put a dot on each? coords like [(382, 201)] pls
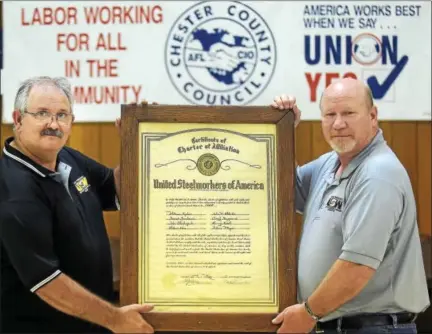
[(208, 217)]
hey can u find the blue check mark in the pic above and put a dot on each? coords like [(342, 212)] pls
[(379, 90)]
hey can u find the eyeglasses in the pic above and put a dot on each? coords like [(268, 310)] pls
[(45, 116)]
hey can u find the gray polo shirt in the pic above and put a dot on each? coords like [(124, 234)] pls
[(366, 216)]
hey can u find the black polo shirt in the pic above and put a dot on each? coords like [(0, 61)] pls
[(52, 223)]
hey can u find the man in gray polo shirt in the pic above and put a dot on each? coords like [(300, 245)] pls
[(360, 265)]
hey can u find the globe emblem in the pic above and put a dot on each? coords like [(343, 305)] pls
[(225, 57), (230, 59), (208, 164), (366, 49)]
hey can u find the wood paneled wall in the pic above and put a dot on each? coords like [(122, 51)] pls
[(411, 142)]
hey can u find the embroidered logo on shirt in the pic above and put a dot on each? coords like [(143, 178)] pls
[(334, 204), (81, 184)]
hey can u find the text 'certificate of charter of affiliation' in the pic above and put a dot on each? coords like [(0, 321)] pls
[(207, 217)]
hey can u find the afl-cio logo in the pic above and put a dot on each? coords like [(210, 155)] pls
[(208, 164), (220, 53)]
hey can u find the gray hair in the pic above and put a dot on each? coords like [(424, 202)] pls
[(24, 89)]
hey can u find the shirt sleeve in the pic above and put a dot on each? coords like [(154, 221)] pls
[(26, 235), (303, 183), (371, 215), (102, 179)]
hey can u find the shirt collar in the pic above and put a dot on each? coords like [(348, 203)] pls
[(16, 155), (358, 159)]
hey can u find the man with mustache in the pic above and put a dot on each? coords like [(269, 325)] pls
[(360, 266), (56, 268)]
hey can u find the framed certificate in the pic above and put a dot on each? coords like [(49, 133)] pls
[(207, 216)]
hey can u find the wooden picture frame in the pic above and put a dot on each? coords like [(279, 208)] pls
[(131, 118)]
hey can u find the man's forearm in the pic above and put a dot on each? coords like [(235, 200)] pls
[(67, 296), (343, 282)]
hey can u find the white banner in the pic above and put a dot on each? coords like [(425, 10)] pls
[(220, 52)]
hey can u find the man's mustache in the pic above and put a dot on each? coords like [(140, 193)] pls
[(52, 132)]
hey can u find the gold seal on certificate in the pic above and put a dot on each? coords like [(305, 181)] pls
[(208, 164), (207, 215)]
